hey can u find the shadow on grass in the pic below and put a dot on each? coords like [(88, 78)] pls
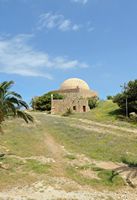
[(130, 169), (118, 114)]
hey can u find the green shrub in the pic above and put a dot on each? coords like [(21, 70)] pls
[(129, 93), (92, 102), (109, 97), (68, 112)]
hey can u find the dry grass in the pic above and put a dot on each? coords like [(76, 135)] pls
[(47, 136)]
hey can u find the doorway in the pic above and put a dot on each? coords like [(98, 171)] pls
[(84, 108), (74, 108)]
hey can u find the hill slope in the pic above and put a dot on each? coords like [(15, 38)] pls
[(106, 112), (67, 154)]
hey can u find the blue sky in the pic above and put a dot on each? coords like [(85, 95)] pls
[(44, 42)]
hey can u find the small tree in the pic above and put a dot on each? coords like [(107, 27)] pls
[(92, 102), (128, 97), (109, 97)]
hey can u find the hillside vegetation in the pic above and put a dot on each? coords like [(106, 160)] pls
[(84, 149), (106, 112)]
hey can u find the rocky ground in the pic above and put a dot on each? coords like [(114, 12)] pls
[(42, 191)]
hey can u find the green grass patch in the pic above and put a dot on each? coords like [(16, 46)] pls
[(22, 139), (37, 167), (129, 161), (105, 111), (15, 171), (106, 178)]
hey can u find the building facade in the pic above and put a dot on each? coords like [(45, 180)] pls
[(76, 93)]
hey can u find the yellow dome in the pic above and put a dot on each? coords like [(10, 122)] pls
[(73, 83)]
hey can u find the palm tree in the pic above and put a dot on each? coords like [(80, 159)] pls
[(11, 103)]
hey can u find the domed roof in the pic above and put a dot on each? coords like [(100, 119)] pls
[(73, 83)]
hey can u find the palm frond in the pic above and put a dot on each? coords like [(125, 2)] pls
[(14, 94), (24, 115), (6, 85), (13, 100), (10, 109), (23, 104)]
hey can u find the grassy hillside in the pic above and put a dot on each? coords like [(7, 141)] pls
[(107, 112), (66, 147), (19, 141), (102, 143)]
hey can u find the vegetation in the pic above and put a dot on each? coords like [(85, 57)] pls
[(68, 112), (22, 140), (129, 93), (109, 97), (105, 178), (92, 102), (43, 103), (11, 103), (95, 142), (105, 111), (77, 137), (67, 133)]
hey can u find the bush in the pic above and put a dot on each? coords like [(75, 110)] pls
[(109, 97), (92, 102), (68, 112)]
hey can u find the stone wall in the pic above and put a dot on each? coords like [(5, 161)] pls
[(76, 105)]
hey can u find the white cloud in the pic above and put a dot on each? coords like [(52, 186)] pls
[(17, 56), (90, 27), (80, 1), (50, 21)]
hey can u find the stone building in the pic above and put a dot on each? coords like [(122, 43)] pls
[(76, 93)]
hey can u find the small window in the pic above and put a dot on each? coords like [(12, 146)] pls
[(74, 108)]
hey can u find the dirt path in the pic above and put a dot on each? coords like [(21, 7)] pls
[(101, 124), (57, 153), (60, 185), (109, 126)]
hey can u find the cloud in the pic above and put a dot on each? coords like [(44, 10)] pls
[(17, 56), (50, 21), (90, 27), (80, 1)]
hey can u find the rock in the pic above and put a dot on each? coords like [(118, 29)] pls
[(5, 166)]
